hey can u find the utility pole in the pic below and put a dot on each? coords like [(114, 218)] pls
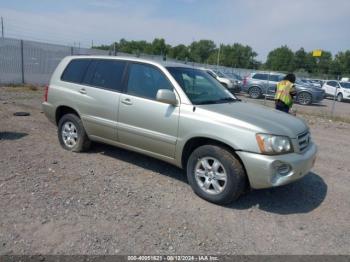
[(218, 61), (2, 27)]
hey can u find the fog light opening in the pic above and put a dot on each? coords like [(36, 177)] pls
[(282, 169)]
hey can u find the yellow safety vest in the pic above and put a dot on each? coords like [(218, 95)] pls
[(283, 92)]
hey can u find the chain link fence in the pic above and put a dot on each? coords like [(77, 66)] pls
[(30, 62)]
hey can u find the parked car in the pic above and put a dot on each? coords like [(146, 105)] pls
[(237, 79), (226, 81), (314, 83), (338, 88), (264, 84), (181, 115)]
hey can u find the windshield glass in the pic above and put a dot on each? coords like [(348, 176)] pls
[(200, 87), (219, 73), (345, 84), (233, 76), (299, 82)]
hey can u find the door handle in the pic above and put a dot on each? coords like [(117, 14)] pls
[(126, 101), (82, 91)]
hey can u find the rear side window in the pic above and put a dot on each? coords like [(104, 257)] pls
[(260, 76), (145, 81), (332, 83), (75, 70), (275, 78), (106, 74)]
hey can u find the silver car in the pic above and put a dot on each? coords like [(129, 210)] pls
[(181, 115), (264, 84)]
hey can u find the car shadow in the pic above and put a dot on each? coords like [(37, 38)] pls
[(301, 196), (12, 135), (314, 104), (140, 160)]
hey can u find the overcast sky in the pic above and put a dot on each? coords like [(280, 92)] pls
[(262, 24)]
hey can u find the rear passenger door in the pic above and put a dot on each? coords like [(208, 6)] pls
[(272, 86), (330, 87), (97, 97), (260, 79), (143, 122)]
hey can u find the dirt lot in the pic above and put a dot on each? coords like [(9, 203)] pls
[(112, 201)]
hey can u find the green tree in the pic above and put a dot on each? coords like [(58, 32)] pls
[(342, 63), (200, 51), (159, 47), (179, 52), (300, 60), (235, 55), (324, 62), (280, 59)]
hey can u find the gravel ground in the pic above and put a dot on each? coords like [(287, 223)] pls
[(112, 201)]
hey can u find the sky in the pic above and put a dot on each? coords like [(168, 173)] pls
[(261, 24)]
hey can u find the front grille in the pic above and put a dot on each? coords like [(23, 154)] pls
[(304, 140)]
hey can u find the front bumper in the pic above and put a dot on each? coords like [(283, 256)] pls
[(317, 97), (261, 169)]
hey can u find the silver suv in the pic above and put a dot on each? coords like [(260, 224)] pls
[(264, 84), (180, 115)]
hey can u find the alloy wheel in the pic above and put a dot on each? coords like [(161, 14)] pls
[(210, 175), (69, 134)]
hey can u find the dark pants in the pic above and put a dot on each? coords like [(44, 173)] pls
[(282, 106)]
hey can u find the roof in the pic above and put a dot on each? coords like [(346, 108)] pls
[(134, 59)]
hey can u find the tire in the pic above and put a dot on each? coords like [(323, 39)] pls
[(255, 92), (340, 97), (228, 167), (304, 98), (72, 135)]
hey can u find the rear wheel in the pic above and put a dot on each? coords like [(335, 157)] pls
[(71, 134), (340, 97), (215, 174), (304, 98), (254, 92)]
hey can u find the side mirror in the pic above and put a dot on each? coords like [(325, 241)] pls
[(166, 96)]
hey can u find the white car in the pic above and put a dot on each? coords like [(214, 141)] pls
[(224, 80), (337, 88)]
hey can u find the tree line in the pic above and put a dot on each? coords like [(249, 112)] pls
[(240, 56)]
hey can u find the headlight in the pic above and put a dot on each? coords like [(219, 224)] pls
[(273, 145)]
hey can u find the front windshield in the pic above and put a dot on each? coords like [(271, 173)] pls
[(233, 76), (299, 82), (219, 73), (345, 84), (200, 87)]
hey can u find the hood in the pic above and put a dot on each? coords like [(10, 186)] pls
[(309, 87), (258, 118)]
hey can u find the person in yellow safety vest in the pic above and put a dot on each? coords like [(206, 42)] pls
[(285, 92)]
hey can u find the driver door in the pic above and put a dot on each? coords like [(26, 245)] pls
[(144, 122)]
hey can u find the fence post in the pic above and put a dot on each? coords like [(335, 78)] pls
[(22, 62)]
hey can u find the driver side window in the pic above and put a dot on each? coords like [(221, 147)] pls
[(145, 81)]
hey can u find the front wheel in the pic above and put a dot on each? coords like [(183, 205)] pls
[(215, 174), (304, 98), (255, 92), (340, 97)]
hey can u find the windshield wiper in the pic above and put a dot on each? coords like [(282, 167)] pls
[(218, 101)]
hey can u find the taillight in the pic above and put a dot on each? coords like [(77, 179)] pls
[(46, 93), (245, 80)]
